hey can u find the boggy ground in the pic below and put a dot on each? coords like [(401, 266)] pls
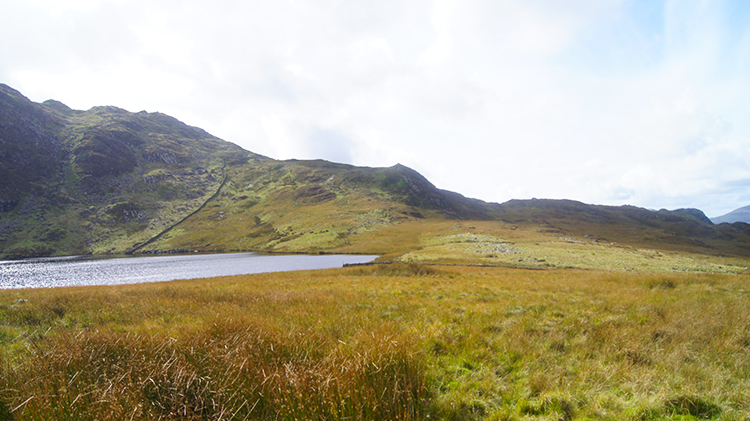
[(391, 341)]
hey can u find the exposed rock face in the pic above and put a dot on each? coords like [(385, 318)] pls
[(126, 212), (30, 151), (103, 152), (8, 205), (91, 174), (162, 156)]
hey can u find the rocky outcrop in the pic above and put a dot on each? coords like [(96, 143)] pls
[(106, 153), (8, 205), (696, 214), (126, 212), (30, 150)]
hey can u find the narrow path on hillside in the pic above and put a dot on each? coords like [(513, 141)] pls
[(166, 230)]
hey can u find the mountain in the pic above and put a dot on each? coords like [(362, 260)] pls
[(738, 215), (74, 182), (108, 181)]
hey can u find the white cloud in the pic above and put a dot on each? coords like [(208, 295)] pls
[(601, 101)]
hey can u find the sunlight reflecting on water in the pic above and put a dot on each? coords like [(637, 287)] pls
[(86, 270)]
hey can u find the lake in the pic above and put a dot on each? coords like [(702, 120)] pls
[(88, 270)]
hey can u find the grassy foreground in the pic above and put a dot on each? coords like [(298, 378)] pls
[(399, 341)]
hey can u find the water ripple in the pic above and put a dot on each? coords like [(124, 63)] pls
[(87, 270)]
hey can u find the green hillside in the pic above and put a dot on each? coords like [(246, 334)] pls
[(97, 181), (108, 181)]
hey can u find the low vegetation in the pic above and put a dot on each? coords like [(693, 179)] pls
[(530, 246), (527, 310), (387, 341)]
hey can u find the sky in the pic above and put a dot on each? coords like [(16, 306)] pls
[(638, 102)]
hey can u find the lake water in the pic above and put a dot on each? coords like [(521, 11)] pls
[(87, 270)]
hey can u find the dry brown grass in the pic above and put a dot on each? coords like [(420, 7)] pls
[(383, 342)]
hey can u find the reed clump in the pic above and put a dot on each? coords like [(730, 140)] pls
[(229, 369)]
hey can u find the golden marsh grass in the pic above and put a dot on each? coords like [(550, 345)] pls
[(383, 342)]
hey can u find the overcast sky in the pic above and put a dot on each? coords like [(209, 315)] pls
[(640, 102)]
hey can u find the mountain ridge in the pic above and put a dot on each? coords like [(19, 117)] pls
[(107, 180), (738, 215)]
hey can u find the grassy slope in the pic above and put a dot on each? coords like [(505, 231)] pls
[(169, 181), (316, 206), (680, 230), (298, 206), (533, 246)]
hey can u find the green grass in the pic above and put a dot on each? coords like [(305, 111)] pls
[(345, 217), (390, 341), (494, 243)]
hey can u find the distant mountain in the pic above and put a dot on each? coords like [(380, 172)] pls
[(681, 229), (108, 181), (738, 215)]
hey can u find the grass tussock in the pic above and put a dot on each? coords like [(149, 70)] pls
[(383, 342), (226, 370), (396, 269)]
